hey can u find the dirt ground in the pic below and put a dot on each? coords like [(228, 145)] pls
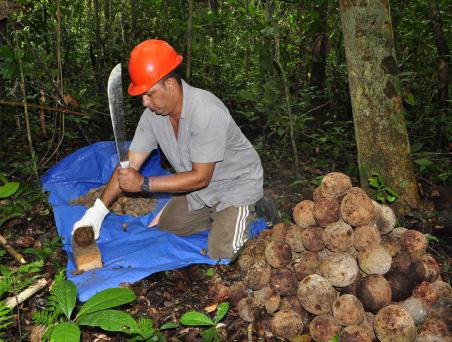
[(165, 296)]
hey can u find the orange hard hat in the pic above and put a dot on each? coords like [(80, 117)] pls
[(149, 62)]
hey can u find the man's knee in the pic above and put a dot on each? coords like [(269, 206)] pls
[(230, 230)]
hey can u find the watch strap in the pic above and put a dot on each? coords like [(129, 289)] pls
[(145, 186)]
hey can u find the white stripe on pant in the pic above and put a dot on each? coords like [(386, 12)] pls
[(240, 227)]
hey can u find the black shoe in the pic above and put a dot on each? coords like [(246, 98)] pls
[(267, 208)]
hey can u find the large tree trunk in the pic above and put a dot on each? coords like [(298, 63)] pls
[(2, 91), (378, 114), (443, 72)]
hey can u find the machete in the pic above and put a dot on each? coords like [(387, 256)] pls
[(115, 101)]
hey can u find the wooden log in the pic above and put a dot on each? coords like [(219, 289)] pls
[(13, 301), (10, 249), (86, 257)]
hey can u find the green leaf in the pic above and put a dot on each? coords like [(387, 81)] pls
[(195, 318), (380, 197), (65, 332), (431, 237), (209, 335), (373, 182), (423, 163), (221, 311), (106, 299), (210, 272), (8, 189), (110, 320), (390, 198), (169, 325), (65, 293)]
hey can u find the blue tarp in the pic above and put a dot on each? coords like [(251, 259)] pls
[(128, 255)]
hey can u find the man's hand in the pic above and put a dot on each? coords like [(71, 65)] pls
[(130, 180), (93, 217)]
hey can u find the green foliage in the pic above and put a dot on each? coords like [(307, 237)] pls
[(12, 281), (5, 318), (47, 249), (96, 312), (195, 319), (382, 192)]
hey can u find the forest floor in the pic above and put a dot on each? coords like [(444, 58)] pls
[(165, 296)]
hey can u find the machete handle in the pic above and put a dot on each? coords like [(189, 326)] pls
[(124, 164)]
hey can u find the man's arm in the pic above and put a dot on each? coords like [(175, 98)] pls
[(199, 177), (112, 190)]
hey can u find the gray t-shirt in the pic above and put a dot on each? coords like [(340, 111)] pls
[(207, 133)]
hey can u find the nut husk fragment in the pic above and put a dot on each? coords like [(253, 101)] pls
[(357, 208), (335, 185), (374, 292), (286, 324), (414, 242), (427, 268), (354, 333), (283, 281), (393, 323), (293, 238), (417, 308), (433, 330), (308, 263), (278, 254), (426, 291), (340, 269), (385, 218), (401, 285), (279, 232), (312, 239), (366, 237), (338, 236), (247, 309), (326, 211), (323, 328), (316, 294), (236, 292), (257, 275), (376, 260), (348, 310), (302, 214)]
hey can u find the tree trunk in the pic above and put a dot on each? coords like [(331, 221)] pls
[(378, 114), (443, 73), (189, 40), (2, 91)]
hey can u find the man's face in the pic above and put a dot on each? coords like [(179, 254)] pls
[(160, 98)]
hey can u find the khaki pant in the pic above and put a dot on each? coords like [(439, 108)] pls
[(228, 228)]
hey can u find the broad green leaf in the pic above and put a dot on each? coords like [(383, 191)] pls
[(8, 189), (110, 320), (423, 162), (65, 293), (106, 299), (65, 332), (390, 198), (209, 335), (221, 311), (195, 318), (373, 182), (169, 325), (391, 192), (380, 197)]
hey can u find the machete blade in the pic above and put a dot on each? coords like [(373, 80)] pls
[(115, 101)]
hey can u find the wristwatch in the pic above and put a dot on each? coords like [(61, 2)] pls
[(145, 186)]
